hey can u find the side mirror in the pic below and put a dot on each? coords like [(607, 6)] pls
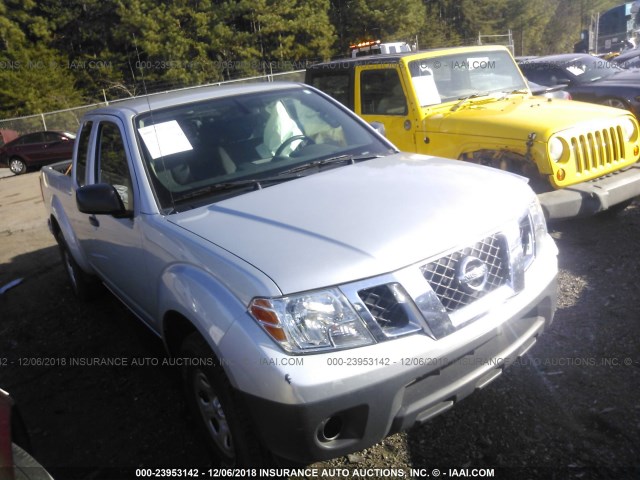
[(100, 199), (379, 127)]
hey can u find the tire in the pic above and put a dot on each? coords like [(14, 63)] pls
[(84, 286), (217, 410), (614, 102), (17, 166)]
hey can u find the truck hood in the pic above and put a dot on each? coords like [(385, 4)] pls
[(514, 117), (361, 220)]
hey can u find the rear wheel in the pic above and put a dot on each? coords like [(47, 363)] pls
[(17, 165), (84, 285), (217, 409)]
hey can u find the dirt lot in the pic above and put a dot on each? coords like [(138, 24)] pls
[(570, 409)]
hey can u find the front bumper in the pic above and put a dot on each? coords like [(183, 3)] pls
[(591, 197), (399, 396)]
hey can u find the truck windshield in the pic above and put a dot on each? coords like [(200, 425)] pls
[(586, 68), (453, 77), (245, 139)]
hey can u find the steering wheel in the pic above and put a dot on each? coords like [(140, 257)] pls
[(289, 141)]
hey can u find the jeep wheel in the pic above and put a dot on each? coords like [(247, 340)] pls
[(17, 166), (217, 409)]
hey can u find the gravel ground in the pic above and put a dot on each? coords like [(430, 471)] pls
[(569, 409)]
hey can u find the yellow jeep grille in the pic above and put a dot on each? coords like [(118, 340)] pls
[(598, 149)]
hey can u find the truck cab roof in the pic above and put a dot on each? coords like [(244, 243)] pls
[(393, 58)]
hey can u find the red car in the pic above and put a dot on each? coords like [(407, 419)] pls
[(36, 149), (15, 462)]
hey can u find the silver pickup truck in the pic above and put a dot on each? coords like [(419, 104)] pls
[(320, 289)]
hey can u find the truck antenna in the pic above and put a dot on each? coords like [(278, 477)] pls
[(146, 94)]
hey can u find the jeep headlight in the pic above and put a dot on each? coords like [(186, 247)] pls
[(556, 149), (312, 321), (628, 129)]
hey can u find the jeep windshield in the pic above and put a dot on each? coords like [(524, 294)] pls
[(201, 152), (465, 76)]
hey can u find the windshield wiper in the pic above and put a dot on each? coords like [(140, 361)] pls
[(464, 100), (254, 183), (259, 183), (350, 159)]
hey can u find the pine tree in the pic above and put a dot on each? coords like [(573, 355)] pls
[(34, 78), (358, 20)]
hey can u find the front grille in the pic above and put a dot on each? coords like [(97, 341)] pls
[(597, 149), (444, 274)]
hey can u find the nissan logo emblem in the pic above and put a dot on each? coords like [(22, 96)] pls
[(472, 274)]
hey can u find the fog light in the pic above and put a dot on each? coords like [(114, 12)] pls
[(560, 174), (331, 429)]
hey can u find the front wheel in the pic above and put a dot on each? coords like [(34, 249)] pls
[(614, 102), (217, 409), (17, 166)]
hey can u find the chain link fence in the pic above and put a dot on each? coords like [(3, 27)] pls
[(68, 120)]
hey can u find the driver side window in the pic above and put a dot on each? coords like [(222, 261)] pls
[(112, 164)]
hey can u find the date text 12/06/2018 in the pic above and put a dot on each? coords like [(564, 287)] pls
[(313, 472)]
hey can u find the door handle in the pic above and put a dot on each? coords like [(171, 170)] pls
[(94, 221)]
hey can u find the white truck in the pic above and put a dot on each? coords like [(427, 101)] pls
[(320, 289)]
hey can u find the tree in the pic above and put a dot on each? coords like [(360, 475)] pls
[(358, 20), (443, 24), (288, 31), (33, 77)]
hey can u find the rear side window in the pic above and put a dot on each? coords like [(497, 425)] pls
[(32, 138), (83, 147), (381, 93), (335, 84)]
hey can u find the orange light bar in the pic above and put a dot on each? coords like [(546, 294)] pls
[(368, 43)]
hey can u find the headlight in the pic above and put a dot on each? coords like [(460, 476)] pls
[(533, 229), (311, 322), (628, 129), (556, 149)]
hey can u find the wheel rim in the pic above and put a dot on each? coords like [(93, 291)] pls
[(614, 102), (212, 414), (16, 166)]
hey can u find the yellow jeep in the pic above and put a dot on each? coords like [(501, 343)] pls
[(473, 104)]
